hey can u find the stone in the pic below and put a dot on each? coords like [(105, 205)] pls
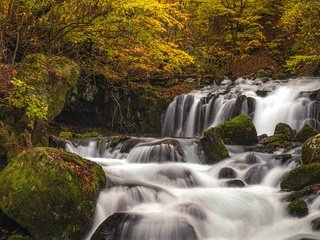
[(213, 146), (286, 131), (305, 133), (301, 177), (51, 193), (311, 150), (298, 208)]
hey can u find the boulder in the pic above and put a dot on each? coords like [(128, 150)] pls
[(235, 183), (311, 150), (305, 133), (52, 77), (238, 131), (213, 146), (298, 208), (51, 193), (285, 130), (227, 173), (275, 141), (301, 177), (315, 224)]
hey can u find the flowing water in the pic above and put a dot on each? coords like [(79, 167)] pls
[(286, 101), (163, 188)]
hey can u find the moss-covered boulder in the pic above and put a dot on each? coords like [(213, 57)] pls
[(298, 208), (285, 130), (238, 131), (213, 146), (51, 193), (9, 145), (311, 150), (305, 133), (301, 177), (275, 141), (52, 77)]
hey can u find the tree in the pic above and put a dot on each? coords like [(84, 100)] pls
[(301, 23)]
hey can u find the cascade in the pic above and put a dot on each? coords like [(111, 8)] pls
[(163, 189), (286, 101)]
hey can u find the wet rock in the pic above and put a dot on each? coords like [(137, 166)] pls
[(301, 177), (213, 146), (51, 193), (235, 183), (311, 150), (315, 224), (298, 208), (193, 210), (305, 133), (255, 174), (182, 175), (251, 158), (227, 173), (56, 142), (285, 130), (238, 131), (129, 144), (124, 226), (307, 192), (275, 141), (283, 158)]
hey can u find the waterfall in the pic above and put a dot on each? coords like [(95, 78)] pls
[(235, 199), (286, 101), (162, 188)]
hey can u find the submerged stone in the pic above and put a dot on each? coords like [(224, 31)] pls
[(51, 193), (227, 173)]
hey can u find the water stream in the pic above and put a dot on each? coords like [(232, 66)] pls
[(163, 188)]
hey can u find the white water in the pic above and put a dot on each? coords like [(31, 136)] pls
[(187, 200), (287, 101)]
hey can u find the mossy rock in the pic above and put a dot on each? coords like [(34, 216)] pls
[(285, 130), (301, 177), (118, 139), (9, 144), (238, 131), (298, 208), (213, 146), (311, 150), (275, 141), (52, 77), (51, 193), (305, 133), (305, 192)]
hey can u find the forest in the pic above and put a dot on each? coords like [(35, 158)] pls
[(131, 119)]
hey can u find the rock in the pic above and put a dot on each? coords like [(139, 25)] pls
[(311, 150), (194, 210), (52, 77), (118, 139), (255, 174), (56, 142), (213, 146), (124, 225), (275, 141), (238, 131), (283, 158), (179, 175), (51, 193), (301, 177), (298, 208), (227, 173), (67, 134), (306, 192), (129, 144), (235, 183), (315, 224), (305, 133), (262, 93), (286, 131)]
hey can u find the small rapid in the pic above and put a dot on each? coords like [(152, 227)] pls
[(183, 198)]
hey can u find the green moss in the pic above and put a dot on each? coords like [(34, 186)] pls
[(305, 133), (311, 150), (301, 193), (238, 131), (298, 208), (118, 139), (52, 77), (213, 146), (19, 237), (276, 141), (51, 193), (285, 130), (301, 177)]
